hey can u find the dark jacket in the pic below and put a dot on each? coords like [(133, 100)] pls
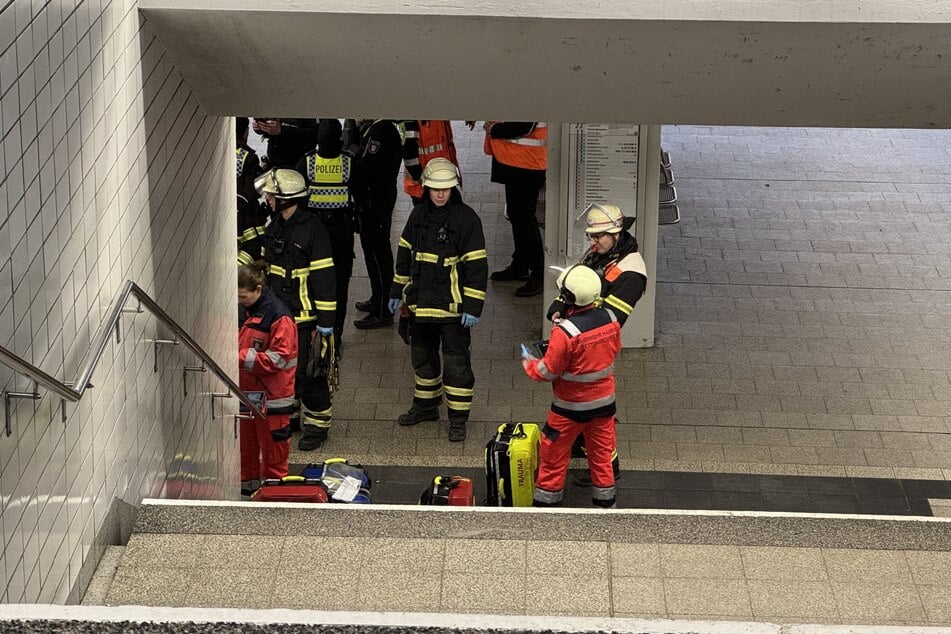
[(377, 165), (297, 138), (441, 266)]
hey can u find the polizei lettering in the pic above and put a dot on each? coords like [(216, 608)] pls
[(333, 168)]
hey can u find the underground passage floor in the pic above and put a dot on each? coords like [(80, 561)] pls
[(801, 364)]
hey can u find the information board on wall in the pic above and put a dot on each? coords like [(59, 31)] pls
[(602, 168)]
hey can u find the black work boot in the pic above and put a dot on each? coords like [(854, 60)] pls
[(312, 438), (417, 415), (457, 430), (532, 287), (583, 477), (364, 305), (509, 274)]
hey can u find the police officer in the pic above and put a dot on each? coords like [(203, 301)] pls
[(301, 274), (251, 216), (613, 255), (376, 169), (328, 172), (579, 363), (441, 273)]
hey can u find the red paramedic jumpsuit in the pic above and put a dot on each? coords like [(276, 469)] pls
[(580, 364), (267, 361)]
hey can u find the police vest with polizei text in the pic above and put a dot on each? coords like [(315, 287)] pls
[(328, 182)]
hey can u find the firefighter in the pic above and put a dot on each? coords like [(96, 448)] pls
[(519, 159), (301, 274), (252, 216), (613, 254), (579, 361), (376, 169), (288, 140), (422, 142), (327, 172), (441, 272), (267, 358)]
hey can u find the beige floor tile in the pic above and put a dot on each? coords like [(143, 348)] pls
[(400, 590), (641, 596), (162, 550), (937, 603), (302, 554), (322, 589), (930, 568), (872, 603), (869, 566), (576, 595), (149, 586), (768, 562), (230, 588), (567, 559), (500, 593), (727, 597), (635, 560), (807, 600), (486, 556), (701, 561), (240, 552), (416, 555)]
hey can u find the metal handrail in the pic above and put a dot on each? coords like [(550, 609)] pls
[(74, 391)]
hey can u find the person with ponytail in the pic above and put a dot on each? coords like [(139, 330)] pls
[(267, 362)]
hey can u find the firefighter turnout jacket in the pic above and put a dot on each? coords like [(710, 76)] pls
[(441, 266), (623, 276), (300, 267), (580, 364), (267, 352), (422, 142)]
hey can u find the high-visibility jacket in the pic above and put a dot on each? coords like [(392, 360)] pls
[(328, 181), (441, 267), (267, 352), (241, 155), (423, 141), (580, 364), (527, 152)]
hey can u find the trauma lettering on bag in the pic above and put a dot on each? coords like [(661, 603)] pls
[(521, 473)]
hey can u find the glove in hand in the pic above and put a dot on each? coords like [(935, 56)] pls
[(326, 331), (394, 304), (526, 355), (468, 321)]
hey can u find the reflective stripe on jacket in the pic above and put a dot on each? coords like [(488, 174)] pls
[(528, 151), (267, 352), (328, 181), (434, 139), (579, 363)]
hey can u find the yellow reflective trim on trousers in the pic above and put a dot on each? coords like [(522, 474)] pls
[(418, 393), (427, 382), (620, 304), (326, 305), (404, 243), (432, 258), (458, 405), (276, 270), (478, 254), (401, 279), (473, 293), (434, 312), (459, 391)]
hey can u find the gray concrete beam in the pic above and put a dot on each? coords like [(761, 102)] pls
[(820, 63)]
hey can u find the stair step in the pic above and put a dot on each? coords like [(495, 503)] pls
[(101, 581)]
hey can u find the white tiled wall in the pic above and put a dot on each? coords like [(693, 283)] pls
[(109, 170)]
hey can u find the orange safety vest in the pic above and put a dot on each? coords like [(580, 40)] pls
[(528, 152), (435, 141)]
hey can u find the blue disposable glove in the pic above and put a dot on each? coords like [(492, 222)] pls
[(468, 321), (394, 304), (326, 331), (525, 353)]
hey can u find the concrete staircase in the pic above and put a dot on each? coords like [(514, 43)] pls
[(403, 568)]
